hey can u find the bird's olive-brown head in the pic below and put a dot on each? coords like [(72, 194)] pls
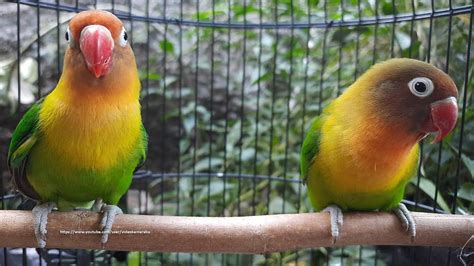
[(96, 38), (415, 96)]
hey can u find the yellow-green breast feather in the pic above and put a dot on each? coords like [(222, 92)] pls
[(81, 149)]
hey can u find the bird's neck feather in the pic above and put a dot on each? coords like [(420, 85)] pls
[(369, 135), (78, 86)]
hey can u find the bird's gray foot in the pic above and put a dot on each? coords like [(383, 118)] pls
[(110, 211), (336, 220), (407, 220), (40, 213)]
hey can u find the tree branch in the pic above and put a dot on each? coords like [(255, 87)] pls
[(252, 234)]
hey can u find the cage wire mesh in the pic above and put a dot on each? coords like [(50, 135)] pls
[(228, 90)]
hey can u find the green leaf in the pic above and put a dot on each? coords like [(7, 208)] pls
[(154, 76), (263, 77), (467, 191), (388, 9), (429, 188), (240, 10), (149, 76), (167, 46), (469, 163), (133, 259), (208, 14), (203, 15)]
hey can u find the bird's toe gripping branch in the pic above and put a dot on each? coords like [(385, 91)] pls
[(40, 213), (407, 220), (110, 211), (336, 220)]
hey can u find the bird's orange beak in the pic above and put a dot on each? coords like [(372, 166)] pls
[(444, 114), (96, 45)]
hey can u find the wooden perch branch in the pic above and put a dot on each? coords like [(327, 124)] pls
[(253, 234)]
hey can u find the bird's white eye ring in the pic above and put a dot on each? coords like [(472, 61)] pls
[(67, 35), (421, 87), (123, 37)]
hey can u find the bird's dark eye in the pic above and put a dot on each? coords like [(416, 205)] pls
[(123, 37), (421, 86), (67, 35)]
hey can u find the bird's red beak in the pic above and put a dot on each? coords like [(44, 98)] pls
[(444, 114), (96, 45)]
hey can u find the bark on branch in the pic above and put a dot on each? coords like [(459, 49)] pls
[(252, 234)]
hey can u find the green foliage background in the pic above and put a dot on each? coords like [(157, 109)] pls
[(236, 102)]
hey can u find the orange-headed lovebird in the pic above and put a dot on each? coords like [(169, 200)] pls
[(363, 149), (83, 141)]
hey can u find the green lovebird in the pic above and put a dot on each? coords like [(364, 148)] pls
[(84, 140), (363, 150)]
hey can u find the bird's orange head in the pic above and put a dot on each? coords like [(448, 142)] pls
[(96, 40), (414, 95)]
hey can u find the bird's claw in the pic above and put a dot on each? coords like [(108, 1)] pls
[(110, 211), (336, 220), (40, 214), (407, 220)]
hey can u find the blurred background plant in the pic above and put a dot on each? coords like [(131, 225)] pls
[(227, 103)]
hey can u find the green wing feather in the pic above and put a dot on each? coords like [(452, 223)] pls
[(23, 139), (310, 147), (144, 149)]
